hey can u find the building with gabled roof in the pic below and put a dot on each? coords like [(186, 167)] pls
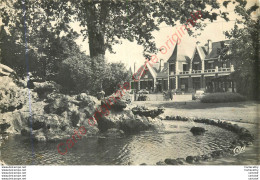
[(202, 71)]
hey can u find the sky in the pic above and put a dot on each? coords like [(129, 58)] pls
[(130, 53)]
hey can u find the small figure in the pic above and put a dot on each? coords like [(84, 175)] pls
[(102, 94), (171, 96)]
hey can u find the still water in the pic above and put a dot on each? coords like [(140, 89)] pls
[(176, 141)]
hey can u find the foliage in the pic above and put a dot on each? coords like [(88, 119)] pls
[(244, 50), (46, 38), (79, 73), (118, 76), (47, 27), (12, 53), (104, 23), (75, 73), (222, 97)]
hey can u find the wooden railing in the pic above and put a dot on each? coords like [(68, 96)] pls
[(184, 72), (196, 71), (209, 70), (204, 71), (223, 69)]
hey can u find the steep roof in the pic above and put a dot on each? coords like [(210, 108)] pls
[(216, 47), (140, 71), (177, 57), (156, 66), (164, 72), (173, 57), (202, 51)]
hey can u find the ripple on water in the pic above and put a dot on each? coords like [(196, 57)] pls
[(147, 147)]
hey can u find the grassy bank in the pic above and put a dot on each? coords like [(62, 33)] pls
[(222, 98), (234, 111)]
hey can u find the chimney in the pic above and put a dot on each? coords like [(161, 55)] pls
[(209, 46), (161, 65)]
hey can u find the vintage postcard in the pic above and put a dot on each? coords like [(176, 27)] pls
[(129, 82)]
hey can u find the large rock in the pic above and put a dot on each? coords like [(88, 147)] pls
[(113, 132), (14, 102), (45, 88), (6, 71), (117, 104), (11, 96), (197, 130), (128, 122), (171, 161), (143, 111)]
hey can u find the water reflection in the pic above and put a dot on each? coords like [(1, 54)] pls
[(147, 147)]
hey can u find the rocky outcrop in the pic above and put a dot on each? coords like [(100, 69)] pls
[(118, 104), (45, 88), (6, 71), (54, 120), (62, 115), (128, 122), (52, 117), (12, 97)]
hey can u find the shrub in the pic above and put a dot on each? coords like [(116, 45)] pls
[(75, 74), (222, 97)]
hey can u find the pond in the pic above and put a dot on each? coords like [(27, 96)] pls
[(149, 147)]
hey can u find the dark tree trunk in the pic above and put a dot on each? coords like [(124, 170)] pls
[(96, 42), (95, 36)]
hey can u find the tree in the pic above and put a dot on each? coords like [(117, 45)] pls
[(12, 52), (105, 23), (47, 36), (75, 74), (118, 76), (78, 74), (244, 50)]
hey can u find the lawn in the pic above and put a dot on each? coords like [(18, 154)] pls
[(245, 112), (222, 97)]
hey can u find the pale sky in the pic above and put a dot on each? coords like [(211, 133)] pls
[(130, 53)]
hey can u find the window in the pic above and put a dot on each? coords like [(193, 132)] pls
[(224, 65), (196, 67), (172, 68), (211, 66), (184, 67)]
